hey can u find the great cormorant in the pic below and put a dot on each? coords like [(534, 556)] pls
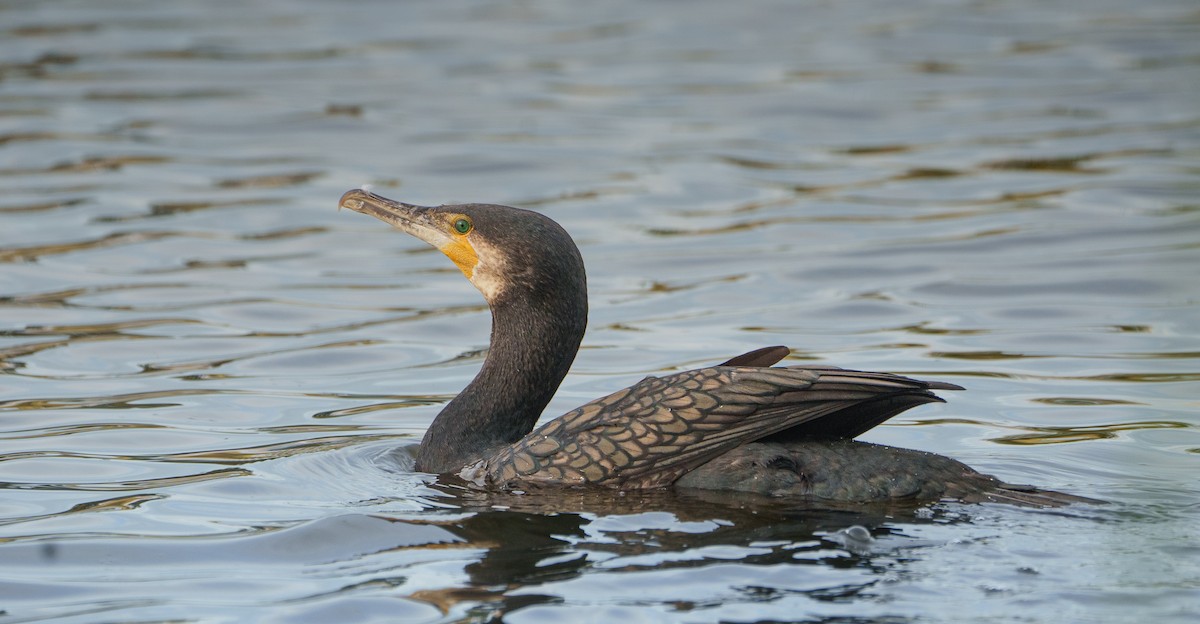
[(741, 425)]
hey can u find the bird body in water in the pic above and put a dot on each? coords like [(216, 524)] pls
[(741, 425)]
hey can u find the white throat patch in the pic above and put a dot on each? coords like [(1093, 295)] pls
[(490, 271)]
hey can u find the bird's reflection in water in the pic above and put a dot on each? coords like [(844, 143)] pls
[(537, 538)]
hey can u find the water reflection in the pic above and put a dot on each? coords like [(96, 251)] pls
[(1059, 435), (680, 547)]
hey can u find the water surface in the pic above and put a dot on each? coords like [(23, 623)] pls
[(207, 370)]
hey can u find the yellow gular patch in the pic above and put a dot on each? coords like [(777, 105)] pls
[(459, 250)]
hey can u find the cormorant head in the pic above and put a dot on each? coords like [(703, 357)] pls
[(505, 252)]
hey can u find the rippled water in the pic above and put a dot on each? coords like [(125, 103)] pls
[(207, 370)]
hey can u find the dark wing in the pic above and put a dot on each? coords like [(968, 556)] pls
[(866, 399), (651, 433), (766, 356)]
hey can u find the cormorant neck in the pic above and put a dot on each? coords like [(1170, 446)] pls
[(534, 340)]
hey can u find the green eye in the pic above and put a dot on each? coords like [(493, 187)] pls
[(462, 226)]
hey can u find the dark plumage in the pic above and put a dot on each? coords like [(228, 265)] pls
[(741, 425)]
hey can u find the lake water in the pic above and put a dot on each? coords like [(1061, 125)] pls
[(207, 369)]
